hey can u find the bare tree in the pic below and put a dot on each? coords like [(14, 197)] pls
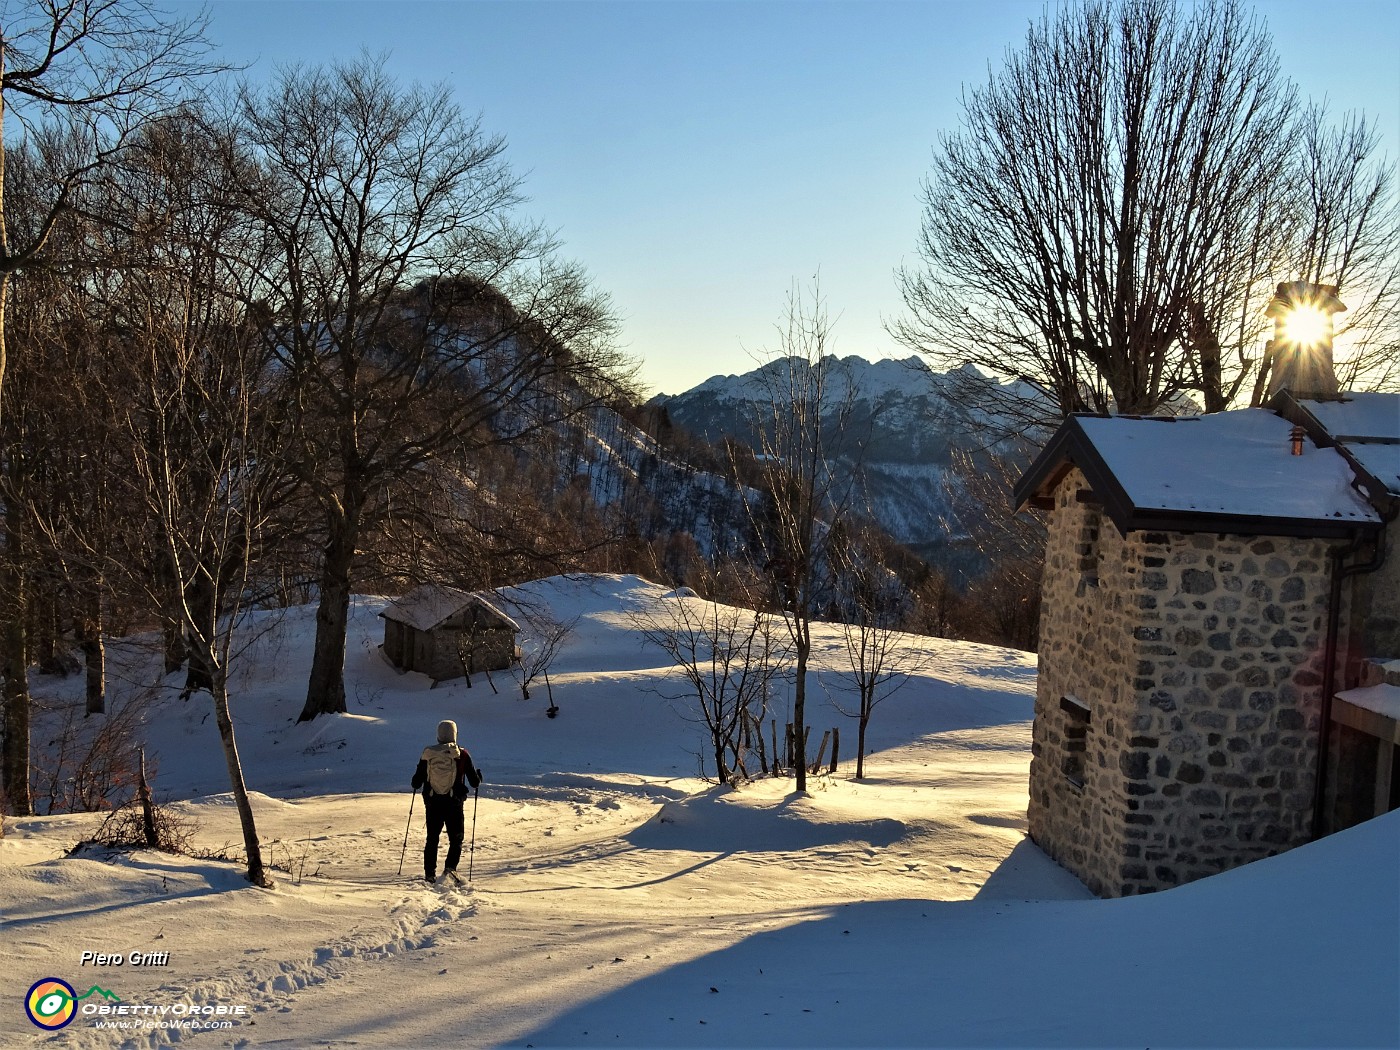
[(79, 79), (208, 507), (417, 319), (1345, 231), (205, 427), (65, 386), (42, 442), (92, 764), (803, 494), (1002, 605), (15, 590), (1119, 203), (729, 657), (936, 605), (542, 639), (878, 657)]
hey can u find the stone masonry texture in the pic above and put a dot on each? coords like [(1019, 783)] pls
[(1192, 664)]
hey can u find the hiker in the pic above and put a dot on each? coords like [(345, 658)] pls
[(443, 773)]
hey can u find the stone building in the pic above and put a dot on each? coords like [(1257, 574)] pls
[(1220, 630), (446, 633)]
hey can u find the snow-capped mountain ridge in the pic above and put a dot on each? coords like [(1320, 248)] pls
[(903, 423), (870, 377)]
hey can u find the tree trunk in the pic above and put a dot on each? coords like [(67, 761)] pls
[(95, 657), (325, 691), (89, 627), (143, 793), (44, 648), (257, 875), (202, 605), (4, 230), (172, 621), (721, 766), (799, 712), (860, 745), (1203, 340), (15, 757), (174, 647)]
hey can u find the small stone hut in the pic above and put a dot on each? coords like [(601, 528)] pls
[(446, 633), (1220, 629)]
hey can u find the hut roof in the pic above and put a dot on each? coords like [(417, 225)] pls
[(427, 606)]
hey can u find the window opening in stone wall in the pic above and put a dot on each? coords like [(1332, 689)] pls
[(1075, 733)]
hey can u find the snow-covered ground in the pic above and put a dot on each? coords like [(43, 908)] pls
[(619, 900)]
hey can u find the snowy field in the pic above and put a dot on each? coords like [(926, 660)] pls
[(618, 900)]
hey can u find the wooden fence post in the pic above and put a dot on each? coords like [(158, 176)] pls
[(821, 753)]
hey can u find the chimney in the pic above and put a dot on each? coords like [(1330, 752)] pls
[(1301, 349)]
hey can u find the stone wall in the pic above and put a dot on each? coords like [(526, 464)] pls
[(1078, 796), (1197, 659), (1378, 594)]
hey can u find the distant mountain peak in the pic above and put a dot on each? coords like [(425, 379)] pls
[(908, 420)]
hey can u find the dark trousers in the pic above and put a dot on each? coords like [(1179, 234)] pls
[(443, 811)]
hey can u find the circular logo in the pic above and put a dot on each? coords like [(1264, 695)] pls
[(50, 1003)]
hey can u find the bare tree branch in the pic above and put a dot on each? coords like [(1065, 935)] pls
[(1110, 219)]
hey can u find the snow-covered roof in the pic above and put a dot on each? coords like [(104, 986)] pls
[(1379, 459), (1382, 699), (1356, 415), (1225, 472), (425, 607), (1366, 427)]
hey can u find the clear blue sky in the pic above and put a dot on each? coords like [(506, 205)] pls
[(698, 157)]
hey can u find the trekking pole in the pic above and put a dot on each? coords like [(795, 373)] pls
[(471, 854), (402, 852)]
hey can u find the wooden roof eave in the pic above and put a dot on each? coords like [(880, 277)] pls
[(1036, 486), (1070, 447)]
